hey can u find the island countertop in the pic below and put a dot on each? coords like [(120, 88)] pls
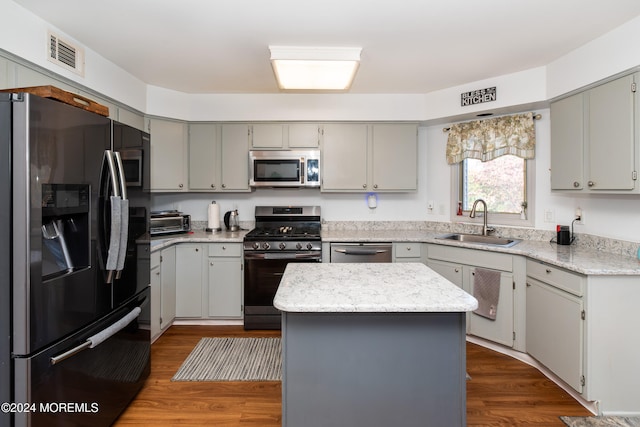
[(368, 288)]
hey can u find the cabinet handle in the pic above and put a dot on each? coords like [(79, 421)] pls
[(157, 273), (224, 185), (364, 185), (591, 183), (375, 185), (180, 185), (457, 270), (576, 184), (197, 249), (211, 263), (548, 271), (224, 248), (213, 186), (528, 285), (408, 248)]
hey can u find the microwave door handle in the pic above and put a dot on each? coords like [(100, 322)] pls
[(302, 173), (124, 216)]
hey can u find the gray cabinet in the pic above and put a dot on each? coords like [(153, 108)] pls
[(593, 148), (279, 136), (458, 265), (189, 279), (369, 157), (167, 287), (218, 157), (225, 280), (555, 325), (156, 295), (407, 252), (169, 155)]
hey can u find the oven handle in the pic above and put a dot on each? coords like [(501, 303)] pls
[(280, 255)]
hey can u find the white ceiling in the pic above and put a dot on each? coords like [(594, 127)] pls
[(408, 46)]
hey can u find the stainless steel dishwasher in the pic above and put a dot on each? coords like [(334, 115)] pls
[(361, 252)]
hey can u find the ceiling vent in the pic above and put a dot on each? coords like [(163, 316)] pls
[(65, 54)]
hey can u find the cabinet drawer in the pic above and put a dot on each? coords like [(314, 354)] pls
[(472, 257), (561, 279), (407, 250), (155, 259), (225, 249)]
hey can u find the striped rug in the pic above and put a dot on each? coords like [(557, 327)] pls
[(233, 359), (607, 421)]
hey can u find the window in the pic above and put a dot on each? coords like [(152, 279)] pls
[(501, 183)]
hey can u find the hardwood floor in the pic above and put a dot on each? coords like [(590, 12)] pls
[(502, 391)]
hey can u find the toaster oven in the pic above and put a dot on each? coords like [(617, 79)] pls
[(168, 222)]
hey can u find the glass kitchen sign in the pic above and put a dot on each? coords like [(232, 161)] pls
[(478, 96)]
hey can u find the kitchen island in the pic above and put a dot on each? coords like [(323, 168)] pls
[(372, 345)]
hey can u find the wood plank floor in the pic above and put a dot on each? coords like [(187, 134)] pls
[(502, 392)]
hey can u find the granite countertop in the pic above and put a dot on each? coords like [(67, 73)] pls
[(197, 236), (580, 260), (368, 288)]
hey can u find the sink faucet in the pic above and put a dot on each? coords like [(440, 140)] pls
[(485, 229)]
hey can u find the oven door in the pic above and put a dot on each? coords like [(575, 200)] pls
[(262, 275)]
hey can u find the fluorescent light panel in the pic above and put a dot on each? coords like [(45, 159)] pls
[(314, 68)]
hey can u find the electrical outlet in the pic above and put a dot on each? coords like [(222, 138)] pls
[(549, 216), (579, 214)]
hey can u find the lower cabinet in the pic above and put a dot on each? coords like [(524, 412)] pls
[(209, 281), (155, 284), (407, 252), (555, 321), (167, 287), (225, 280), (459, 266)]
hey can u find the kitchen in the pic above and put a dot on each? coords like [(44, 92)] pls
[(608, 216)]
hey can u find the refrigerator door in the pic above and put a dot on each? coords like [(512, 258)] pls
[(72, 384), (57, 152)]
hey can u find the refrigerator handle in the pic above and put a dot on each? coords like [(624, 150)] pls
[(99, 338), (124, 216), (115, 202)]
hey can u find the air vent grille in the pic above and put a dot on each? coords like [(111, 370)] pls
[(66, 54)]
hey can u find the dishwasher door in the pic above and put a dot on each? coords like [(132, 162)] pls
[(361, 252)]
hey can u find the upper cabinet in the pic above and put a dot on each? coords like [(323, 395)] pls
[(370, 157), (218, 157), (593, 143), (169, 155), (278, 136)]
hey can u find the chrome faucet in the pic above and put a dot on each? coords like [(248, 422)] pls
[(485, 228)]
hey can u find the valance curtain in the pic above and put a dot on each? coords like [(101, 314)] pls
[(490, 138)]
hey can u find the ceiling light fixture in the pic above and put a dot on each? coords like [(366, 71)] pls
[(315, 68)]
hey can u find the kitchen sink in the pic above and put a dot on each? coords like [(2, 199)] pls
[(480, 239)]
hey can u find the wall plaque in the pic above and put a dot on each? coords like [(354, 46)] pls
[(478, 96)]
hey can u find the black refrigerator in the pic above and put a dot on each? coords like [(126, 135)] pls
[(74, 312)]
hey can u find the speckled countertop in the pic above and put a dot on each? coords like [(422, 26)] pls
[(368, 288), (590, 261)]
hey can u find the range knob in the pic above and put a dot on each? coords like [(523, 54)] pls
[(309, 246), (282, 245), (256, 245), (266, 245), (298, 246)]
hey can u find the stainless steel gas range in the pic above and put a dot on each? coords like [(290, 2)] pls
[(283, 234)]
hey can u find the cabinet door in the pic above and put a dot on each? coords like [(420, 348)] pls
[(203, 157), (555, 331), (167, 287), (567, 143), (225, 287), (451, 272), (189, 280), (304, 135), (499, 330), (267, 135), (611, 136), (168, 155), (344, 157), (395, 157), (234, 164), (156, 297)]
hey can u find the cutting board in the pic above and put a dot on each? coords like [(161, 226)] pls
[(64, 96)]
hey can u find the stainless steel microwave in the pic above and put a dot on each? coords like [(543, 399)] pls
[(291, 168)]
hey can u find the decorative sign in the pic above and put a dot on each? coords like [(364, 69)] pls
[(478, 96)]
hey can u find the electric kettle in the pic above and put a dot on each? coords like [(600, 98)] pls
[(232, 221)]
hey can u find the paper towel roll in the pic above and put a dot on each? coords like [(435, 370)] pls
[(214, 216)]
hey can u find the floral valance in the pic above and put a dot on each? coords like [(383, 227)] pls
[(490, 138)]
